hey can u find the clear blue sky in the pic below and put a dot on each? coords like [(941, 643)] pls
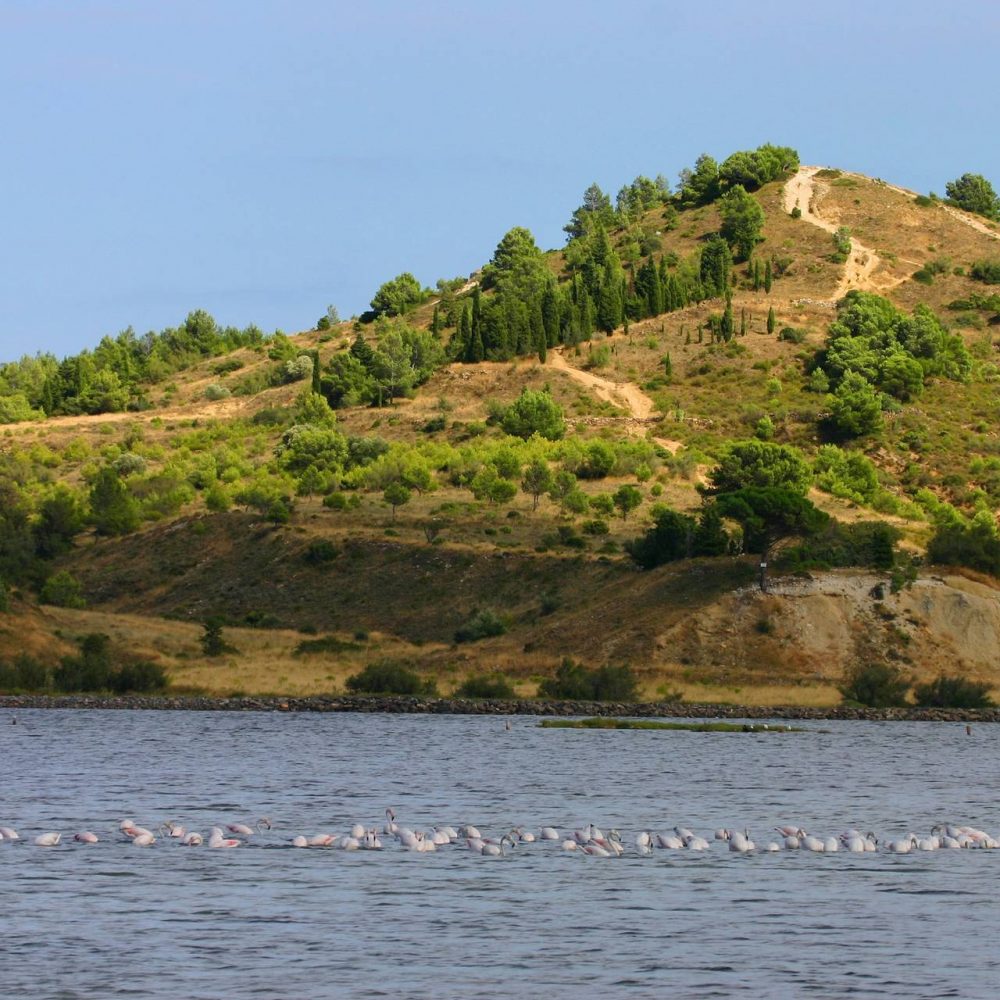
[(262, 159)]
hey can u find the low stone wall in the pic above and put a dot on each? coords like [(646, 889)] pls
[(472, 706)]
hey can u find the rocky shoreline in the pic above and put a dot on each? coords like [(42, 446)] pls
[(469, 706)]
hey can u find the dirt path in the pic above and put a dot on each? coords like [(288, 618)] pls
[(625, 395), (966, 218), (859, 269)]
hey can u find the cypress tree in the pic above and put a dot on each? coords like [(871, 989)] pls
[(767, 276), (436, 320), (317, 386), (465, 333), (770, 320), (757, 279), (726, 324), (550, 315), (743, 322)]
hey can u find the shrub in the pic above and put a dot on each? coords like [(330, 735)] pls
[(482, 625), (790, 334), (875, 685), (129, 463), (4, 597), (215, 391), (952, 692), (986, 271), (574, 682), (389, 677), (486, 687), (336, 501), (975, 546), (320, 552), (63, 590), (140, 676), (24, 674)]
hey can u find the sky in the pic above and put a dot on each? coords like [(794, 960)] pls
[(263, 160)]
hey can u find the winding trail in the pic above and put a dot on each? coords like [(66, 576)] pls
[(861, 264), (625, 395)]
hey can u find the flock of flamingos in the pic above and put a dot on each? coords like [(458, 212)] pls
[(589, 840)]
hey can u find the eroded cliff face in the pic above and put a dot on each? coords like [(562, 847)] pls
[(811, 629)]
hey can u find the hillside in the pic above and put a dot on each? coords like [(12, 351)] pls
[(252, 501)]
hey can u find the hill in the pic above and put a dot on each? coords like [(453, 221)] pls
[(259, 481)]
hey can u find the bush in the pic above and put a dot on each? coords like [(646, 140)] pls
[(486, 687), (952, 692), (975, 546), (140, 677), (875, 685), (792, 335), (24, 674), (320, 552), (574, 682), (215, 391), (389, 677), (986, 271), (63, 590), (482, 625)]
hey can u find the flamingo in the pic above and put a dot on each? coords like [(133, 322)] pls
[(143, 840), (669, 841), (644, 842), (811, 843), (300, 841), (468, 831), (525, 836), (172, 829), (348, 843), (569, 845), (85, 837), (695, 843), (216, 840), (9, 833), (48, 839), (549, 833), (322, 840), (496, 850), (357, 831), (192, 840), (248, 831), (371, 841), (390, 822)]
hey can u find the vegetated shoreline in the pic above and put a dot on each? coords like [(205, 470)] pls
[(489, 706)]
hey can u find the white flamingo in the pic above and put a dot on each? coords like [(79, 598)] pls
[(192, 840), (9, 833), (85, 837), (549, 833), (216, 840), (48, 839)]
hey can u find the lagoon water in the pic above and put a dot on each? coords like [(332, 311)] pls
[(112, 920)]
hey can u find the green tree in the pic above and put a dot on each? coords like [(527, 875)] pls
[(742, 221), (715, 267), (396, 495), (488, 484), (595, 210), (534, 412), (855, 408), (395, 297), (770, 320), (113, 510), (60, 519), (669, 539), (626, 499), (768, 516), (760, 464), (974, 193), (212, 641), (537, 479), (700, 185)]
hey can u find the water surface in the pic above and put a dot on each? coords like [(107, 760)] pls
[(111, 920)]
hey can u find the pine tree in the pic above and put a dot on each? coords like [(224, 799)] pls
[(770, 320), (767, 276)]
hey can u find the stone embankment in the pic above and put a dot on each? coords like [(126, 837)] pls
[(464, 706)]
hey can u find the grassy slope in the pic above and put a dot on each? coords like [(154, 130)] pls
[(681, 626)]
